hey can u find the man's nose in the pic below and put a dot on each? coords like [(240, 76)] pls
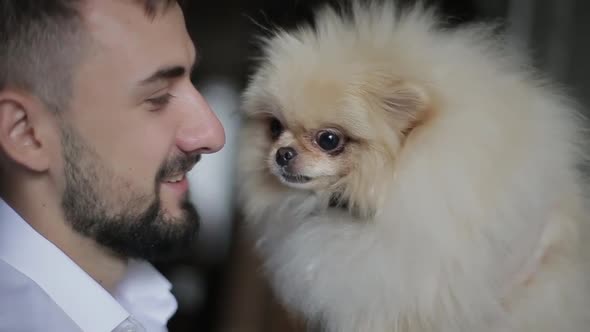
[(200, 130)]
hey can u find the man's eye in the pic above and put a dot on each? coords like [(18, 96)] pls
[(160, 101)]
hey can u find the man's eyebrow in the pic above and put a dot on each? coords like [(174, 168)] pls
[(171, 72), (164, 74)]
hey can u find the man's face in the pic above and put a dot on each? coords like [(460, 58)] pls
[(134, 128)]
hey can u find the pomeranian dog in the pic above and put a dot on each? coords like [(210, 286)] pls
[(400, 176)]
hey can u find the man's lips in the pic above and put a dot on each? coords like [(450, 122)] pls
[(180, 175), (176, 178), (177, 183)]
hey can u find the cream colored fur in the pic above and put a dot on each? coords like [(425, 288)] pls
[(474, 222)]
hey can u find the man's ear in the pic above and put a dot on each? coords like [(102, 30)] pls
[(20, 135)]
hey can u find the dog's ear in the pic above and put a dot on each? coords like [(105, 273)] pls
[(408, 104)]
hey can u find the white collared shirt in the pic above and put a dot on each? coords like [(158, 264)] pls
[(42, 289)]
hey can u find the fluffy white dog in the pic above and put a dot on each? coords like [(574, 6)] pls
[(400, 176)]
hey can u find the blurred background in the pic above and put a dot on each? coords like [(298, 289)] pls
[(218, 285)]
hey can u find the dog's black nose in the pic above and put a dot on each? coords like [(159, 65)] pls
[(284, 155)]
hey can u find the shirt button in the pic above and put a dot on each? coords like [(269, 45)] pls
[(129, 325)]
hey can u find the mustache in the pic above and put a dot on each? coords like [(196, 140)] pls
[(177, 165)]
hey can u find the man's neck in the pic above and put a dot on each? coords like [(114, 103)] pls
[(41, 209)]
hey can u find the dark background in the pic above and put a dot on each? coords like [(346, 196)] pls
[(218, 284)]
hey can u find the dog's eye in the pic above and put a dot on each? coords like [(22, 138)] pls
[(328, 140), (276, 128)]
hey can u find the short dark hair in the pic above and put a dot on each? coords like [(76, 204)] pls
[(42, 41)]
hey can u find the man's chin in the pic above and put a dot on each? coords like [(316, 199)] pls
[(174, 212), (156, 234), (173, 233)]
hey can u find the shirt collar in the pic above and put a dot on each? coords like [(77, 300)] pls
[(146, 294), (88, 304)]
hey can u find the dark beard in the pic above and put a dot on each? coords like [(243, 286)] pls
[(127, 230)]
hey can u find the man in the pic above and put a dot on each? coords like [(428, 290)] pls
[(99, 124)]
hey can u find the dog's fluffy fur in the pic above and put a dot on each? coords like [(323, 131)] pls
[(453, 202)]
